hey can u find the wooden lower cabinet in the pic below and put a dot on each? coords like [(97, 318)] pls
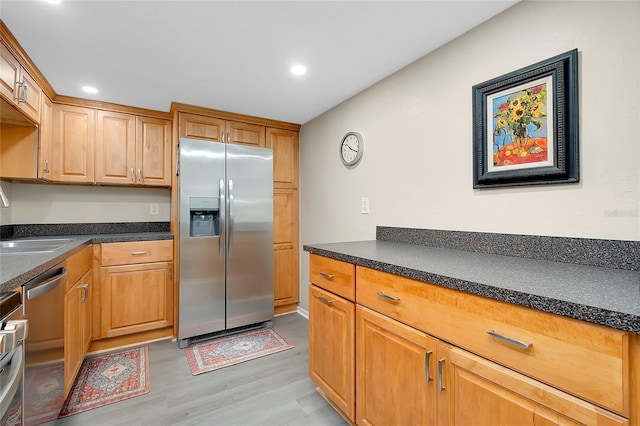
[(77, 319), (136, 298), (332, 348), (413, 367), (135, 291), (395, 372), (77, 313), (476, 391)]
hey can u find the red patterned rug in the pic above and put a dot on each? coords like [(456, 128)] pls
[(233, 349), (108, 378)]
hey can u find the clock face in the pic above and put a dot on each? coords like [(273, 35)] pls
[(351, 149)]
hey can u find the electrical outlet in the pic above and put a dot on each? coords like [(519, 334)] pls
[(364, 205), (154, 209)]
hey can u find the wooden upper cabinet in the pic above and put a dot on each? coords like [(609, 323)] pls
[(195, 126), (30, 96), (285, 157), (214, 129), (45, 139), (245, 134), (73, 143), (17, 86), (115, 148), (132, 150), (9, 74), (153, 141)]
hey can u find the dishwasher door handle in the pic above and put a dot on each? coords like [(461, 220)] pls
[(48, 284)]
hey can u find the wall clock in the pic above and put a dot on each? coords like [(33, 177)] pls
[(351, 149)]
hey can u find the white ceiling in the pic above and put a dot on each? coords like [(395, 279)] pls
[(233, 55)]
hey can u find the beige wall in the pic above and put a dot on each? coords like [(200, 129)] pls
[(47, 203), (417, 165)]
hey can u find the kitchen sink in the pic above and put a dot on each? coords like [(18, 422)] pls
[(33, 246)]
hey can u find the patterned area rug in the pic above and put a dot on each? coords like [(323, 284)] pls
[(233, 349), (108, 378)]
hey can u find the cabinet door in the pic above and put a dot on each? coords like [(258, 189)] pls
[(72, 336), (115, 148), (32, 96), (285, 157), (332, 348), (475, 391), (195, 126), (153, 152), (285, 238), (77, 328), (245, 134), (9, 74), (395, 372), (73, 143), (136, 298), (46, 135)]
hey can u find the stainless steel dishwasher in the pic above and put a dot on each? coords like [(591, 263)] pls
[(43, 307)]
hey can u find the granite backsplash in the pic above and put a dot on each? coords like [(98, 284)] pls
[(46, 230), (620, 254)]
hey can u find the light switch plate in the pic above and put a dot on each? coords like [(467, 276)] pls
[(365, 205)]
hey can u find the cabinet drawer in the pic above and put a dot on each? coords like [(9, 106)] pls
[(77, 265), (333, 275), (587, 360), (136, 252)]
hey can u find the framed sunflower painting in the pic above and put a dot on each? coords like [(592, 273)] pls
[(525, 125)]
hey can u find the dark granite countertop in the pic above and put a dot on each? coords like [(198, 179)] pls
[(600, 295), (18, 268)]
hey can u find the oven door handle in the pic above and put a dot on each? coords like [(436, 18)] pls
[(48, 284), (13, 382)]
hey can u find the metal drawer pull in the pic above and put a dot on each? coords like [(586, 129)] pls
[(391, 298), (518, 343), (427, 356), (327, 276), (440, 380), (325, 300), (138, 253), (85, 290)]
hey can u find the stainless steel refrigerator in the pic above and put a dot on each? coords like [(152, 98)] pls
[(226, 238)]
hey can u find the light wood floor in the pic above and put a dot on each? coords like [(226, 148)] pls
[(272, 390)]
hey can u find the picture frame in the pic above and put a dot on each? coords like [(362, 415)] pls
[(526, 125)]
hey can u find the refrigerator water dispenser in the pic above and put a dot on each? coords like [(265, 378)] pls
[(204, 216)]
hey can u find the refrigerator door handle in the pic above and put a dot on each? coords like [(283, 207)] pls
[(231, 220), (222, 224)]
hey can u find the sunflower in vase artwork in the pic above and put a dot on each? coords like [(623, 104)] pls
[(520, 127)]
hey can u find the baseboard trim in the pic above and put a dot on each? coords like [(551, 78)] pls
[(303, 312)]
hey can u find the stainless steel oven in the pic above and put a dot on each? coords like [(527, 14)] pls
[(13, 331)]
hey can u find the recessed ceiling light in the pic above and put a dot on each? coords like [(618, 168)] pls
[(52, 1), (298, 69), (89, 89)]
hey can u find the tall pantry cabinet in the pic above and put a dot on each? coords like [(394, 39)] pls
[(224, 127)]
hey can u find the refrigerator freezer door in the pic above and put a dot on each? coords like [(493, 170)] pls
[(202, 263), (250, 235)]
